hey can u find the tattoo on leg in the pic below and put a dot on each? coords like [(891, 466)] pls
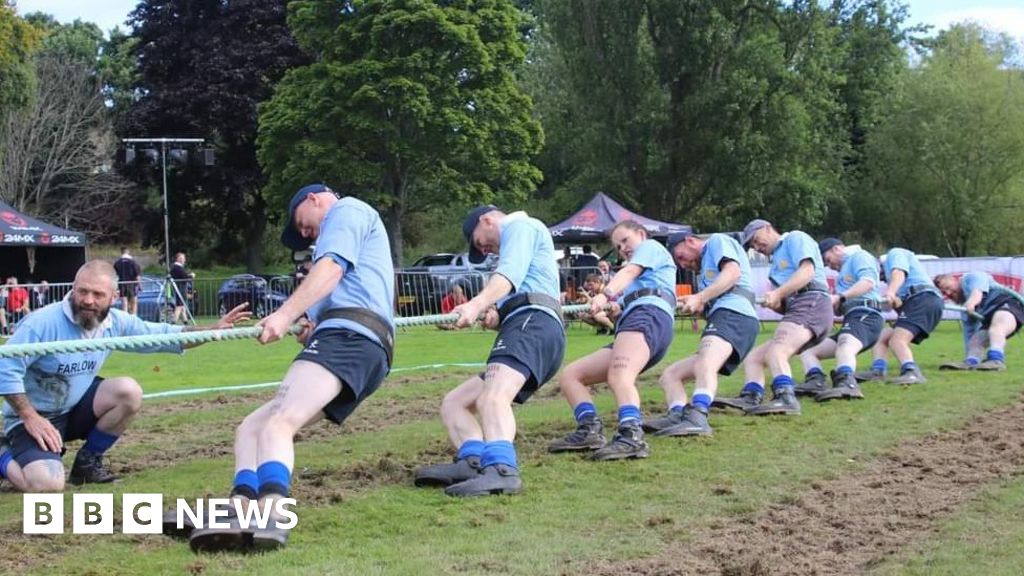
[(620, 362), (54, 469), (491, 373), (278, 402)]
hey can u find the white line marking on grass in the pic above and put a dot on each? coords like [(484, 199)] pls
[(193, 391)]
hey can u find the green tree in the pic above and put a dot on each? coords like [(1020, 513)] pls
[(410, 105), (204, 66), (709, 111), (950, 151), (18, 40)]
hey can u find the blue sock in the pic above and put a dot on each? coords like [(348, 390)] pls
[(702, 402), (471, 448), (973, 361), (584, 410), (274, 478), (994, 354), (629, 413), (499, 452), (907, 366), (753, 387), (247, 483), (781, 381), (677, 407), (880, 365), (98, 441), (814, 372), (5, 459), (845, 369)]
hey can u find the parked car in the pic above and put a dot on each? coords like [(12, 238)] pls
[(154, 305), (263, 297), (421, 286)]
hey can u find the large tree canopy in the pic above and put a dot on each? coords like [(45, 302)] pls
[(709, 111), (204, 66), (410, 104), (18, 39), (950, 151)]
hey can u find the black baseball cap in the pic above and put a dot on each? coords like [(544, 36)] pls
[(469, 225), (291, 237), (676, 238), (828, 244)]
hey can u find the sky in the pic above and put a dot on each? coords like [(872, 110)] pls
[(1002, 15)]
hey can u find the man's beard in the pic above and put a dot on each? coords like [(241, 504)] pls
[(88, 322)]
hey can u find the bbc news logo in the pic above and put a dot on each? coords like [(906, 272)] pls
[(143, 513)]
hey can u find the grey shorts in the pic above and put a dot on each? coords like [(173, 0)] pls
[(533, 344), (863, 324), (739, 330), (812, 310), (920, 314), (360, 363)]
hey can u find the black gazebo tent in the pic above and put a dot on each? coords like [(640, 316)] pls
[(34, 251), (591, 222)]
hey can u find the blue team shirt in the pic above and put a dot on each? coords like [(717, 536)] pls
[(353, 235), (988, 286), (858, 265), (527, 259), (903, 259), (55, 383), (795, 247), (659, 273), (718, 250)]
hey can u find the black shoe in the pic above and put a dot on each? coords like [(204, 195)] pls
[(89, 469), (587, 436), (783, 402), (671, 418), (270, 538), (991, 366), (171, 528), (909, 377), (962, 366), (448, 474), (694, 423), (745, 401), (493, 480), (628, 442), (234, 538), (813, 385), (844, 385), (870, 376)]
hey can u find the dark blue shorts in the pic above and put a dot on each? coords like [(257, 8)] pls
[(1008, 303), (655, 324), (863, 324), (72, 425), (360, 363), (739, 330), (920, 314), (531, 343)]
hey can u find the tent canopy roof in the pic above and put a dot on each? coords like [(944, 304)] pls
[(596, 217), (17, 229)]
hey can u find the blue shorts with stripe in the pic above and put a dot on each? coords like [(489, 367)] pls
[(531, 342)]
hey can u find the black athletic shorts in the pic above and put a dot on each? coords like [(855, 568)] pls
[(739, 330), (74, 424), (531, 342), (920, 314), (360, 363), (864, 324)]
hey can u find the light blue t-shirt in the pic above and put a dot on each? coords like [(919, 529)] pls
[(858, 265), (795, 247), (718, 250), (659, 274), (903, 259), (56, 382), (990, 290), (527, 260), (353, 235)]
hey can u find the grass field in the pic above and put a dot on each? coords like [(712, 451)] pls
[(360, 514)]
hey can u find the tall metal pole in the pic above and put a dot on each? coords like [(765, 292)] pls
[(167, 218)]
